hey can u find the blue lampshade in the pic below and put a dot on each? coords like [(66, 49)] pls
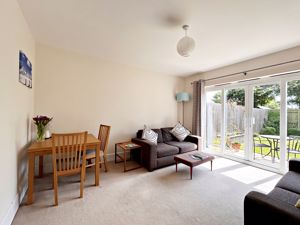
[(182, 97)]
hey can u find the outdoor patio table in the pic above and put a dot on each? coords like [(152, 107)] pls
[(274, 141)]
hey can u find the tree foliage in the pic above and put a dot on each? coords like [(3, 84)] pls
[(262, 95), (294, 93)]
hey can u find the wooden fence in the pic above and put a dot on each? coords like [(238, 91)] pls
[(293, 118), (235, 116)]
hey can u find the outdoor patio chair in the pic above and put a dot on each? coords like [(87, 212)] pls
[(293, 146), (257, 142)]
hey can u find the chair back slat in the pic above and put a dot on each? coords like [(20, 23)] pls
[(68, 151), (103, 136), (59, 153), (294, 143)]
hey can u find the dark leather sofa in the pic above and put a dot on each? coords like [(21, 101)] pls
[(277, 207), (162, 154)]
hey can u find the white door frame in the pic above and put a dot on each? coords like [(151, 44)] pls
[(249, 99)]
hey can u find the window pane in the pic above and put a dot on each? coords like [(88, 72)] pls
[(293, 119), (235, 121), (213, 121), (266, 124)]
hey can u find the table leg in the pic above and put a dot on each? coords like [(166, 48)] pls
[(115, 153), (97, 169), (41, 165), (176, 165), (124, 160), (191, 172), (142, 156), (211, 162), (30, 194)]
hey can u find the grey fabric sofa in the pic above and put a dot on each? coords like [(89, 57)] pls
[(162, 154), (277, 207)]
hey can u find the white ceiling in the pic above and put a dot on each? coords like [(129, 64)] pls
[(144, 33)]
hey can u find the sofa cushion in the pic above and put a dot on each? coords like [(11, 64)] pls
[(290, 181), (180, 132), (166, 150), (158, 131), (149, 135), (167, 135), (165, 161), (183, 146), (284, 195)]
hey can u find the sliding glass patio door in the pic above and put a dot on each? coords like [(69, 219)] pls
[(235, 122), (257, 121), (214, 121), (226, 121), (293, 118), (265, 125)]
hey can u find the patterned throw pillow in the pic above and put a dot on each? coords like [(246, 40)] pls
[(298, 204), (149, 135), (180, 132)]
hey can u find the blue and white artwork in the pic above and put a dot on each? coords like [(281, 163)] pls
[(25, 70)]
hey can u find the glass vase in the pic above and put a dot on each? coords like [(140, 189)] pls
[(40, 135)]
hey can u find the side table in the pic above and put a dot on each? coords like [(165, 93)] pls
[(127, 146)]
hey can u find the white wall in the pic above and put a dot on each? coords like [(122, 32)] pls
[(81, 92), (16, 110), (278, 57)]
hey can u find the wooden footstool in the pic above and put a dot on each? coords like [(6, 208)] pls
[(191, 161)]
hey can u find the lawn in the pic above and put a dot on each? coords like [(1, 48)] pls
[(217, 148)]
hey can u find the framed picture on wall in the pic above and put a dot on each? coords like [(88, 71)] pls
[(25, 70)]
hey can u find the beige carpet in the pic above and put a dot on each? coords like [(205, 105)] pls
[(162, 197)]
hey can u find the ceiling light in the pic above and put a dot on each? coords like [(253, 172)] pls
[(186, 44)]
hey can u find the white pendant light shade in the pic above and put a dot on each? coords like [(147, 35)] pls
[(186, 44)]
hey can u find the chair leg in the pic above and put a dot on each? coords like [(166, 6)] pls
[(105, 163), (84, 176), (55, 187), (82, 179)]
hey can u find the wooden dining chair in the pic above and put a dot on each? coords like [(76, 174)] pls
[(103, 136), (68, 158)]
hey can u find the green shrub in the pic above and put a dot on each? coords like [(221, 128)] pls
[(293, 131), (273, 121), (268, 130), (256, 135)]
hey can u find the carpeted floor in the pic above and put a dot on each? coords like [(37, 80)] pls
[(162, 197)]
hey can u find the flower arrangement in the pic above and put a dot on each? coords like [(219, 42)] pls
[(41, 123)]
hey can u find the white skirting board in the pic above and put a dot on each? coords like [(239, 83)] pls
[(13, 208)]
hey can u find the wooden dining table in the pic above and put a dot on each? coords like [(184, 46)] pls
[(43, 148)]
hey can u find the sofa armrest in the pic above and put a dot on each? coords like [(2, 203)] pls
[(261, 209), (294, 165), (149, 149), (195, 139)]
